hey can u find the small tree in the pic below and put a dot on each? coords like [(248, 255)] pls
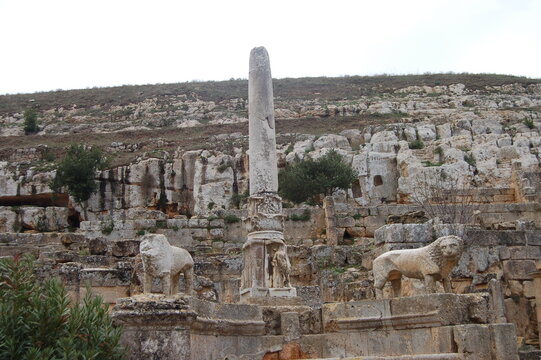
[(36, 321), (76, 172), (307, 179), (30, 121)]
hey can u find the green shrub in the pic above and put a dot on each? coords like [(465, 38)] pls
[(107, 227), (31, 121), (48, 156), (304, 217), (306, 180), (210, 205), (469, 159), (223, 166), (529, 123), (416, 144), (77, 170), (42, 225), (357, 216), (212, 217), (161, 224), (231, 219), (37, 321), (289, 149), (140, 232), (431, 164), (237, 199), (162, 201)]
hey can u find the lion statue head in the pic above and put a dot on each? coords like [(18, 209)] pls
[(446, 248)]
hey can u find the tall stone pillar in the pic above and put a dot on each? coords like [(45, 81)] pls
[(266, 264)]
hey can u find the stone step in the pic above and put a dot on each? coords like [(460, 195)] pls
[(448, 356)]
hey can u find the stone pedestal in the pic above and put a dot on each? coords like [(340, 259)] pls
[(264, 274), (155, 327)]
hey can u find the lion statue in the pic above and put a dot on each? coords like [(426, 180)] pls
[(166, 262), (430, 263)]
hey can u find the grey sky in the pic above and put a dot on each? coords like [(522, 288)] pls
[(55, 44)]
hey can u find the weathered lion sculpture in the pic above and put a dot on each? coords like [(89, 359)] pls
[(430, 263), (166, 262)]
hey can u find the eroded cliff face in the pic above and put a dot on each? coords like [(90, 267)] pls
[(479, 142)]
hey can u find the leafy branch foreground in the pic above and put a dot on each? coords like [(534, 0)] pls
[(37, 322)]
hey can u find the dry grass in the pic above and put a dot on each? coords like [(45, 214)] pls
[(327, 88), (186, 138)]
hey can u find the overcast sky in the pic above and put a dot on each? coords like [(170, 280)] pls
[(53, 44)]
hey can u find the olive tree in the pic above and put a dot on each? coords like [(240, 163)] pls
[(306, 180), (77, 170)]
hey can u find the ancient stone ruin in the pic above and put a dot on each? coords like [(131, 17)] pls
[(434, 252), (266, 264)]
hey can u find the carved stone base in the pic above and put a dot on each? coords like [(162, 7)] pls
[(266, 266), (245, 294)]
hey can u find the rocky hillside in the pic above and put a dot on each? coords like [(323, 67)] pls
[(188, 142), (461, 145)]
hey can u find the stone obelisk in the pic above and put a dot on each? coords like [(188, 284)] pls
[(266, 264)]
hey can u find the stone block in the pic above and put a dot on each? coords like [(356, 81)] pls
[(7, 219), (199, 234), (34, 218), (109, 294), (533, 237), (504, 342), (142, 213), (529, 289), (372, 223), (403, 233), (216, 233), (217, 223), (442, 309), (520, 312), (514, 288), (123, 248), (13, 251), (494, 238), (97, 246), (473, 341), (365, 315), (68, 239), (177, 223), (290, 326), (522, 252), (518, 269), (102, 277), (343, 222), (143, 224)]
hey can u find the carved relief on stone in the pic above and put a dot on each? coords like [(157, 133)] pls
[(265, 212), (430, 263), (265, 204), (166, 262), (281, 268)]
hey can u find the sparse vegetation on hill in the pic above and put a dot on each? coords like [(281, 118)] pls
[(30, 121), (328, 88)]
